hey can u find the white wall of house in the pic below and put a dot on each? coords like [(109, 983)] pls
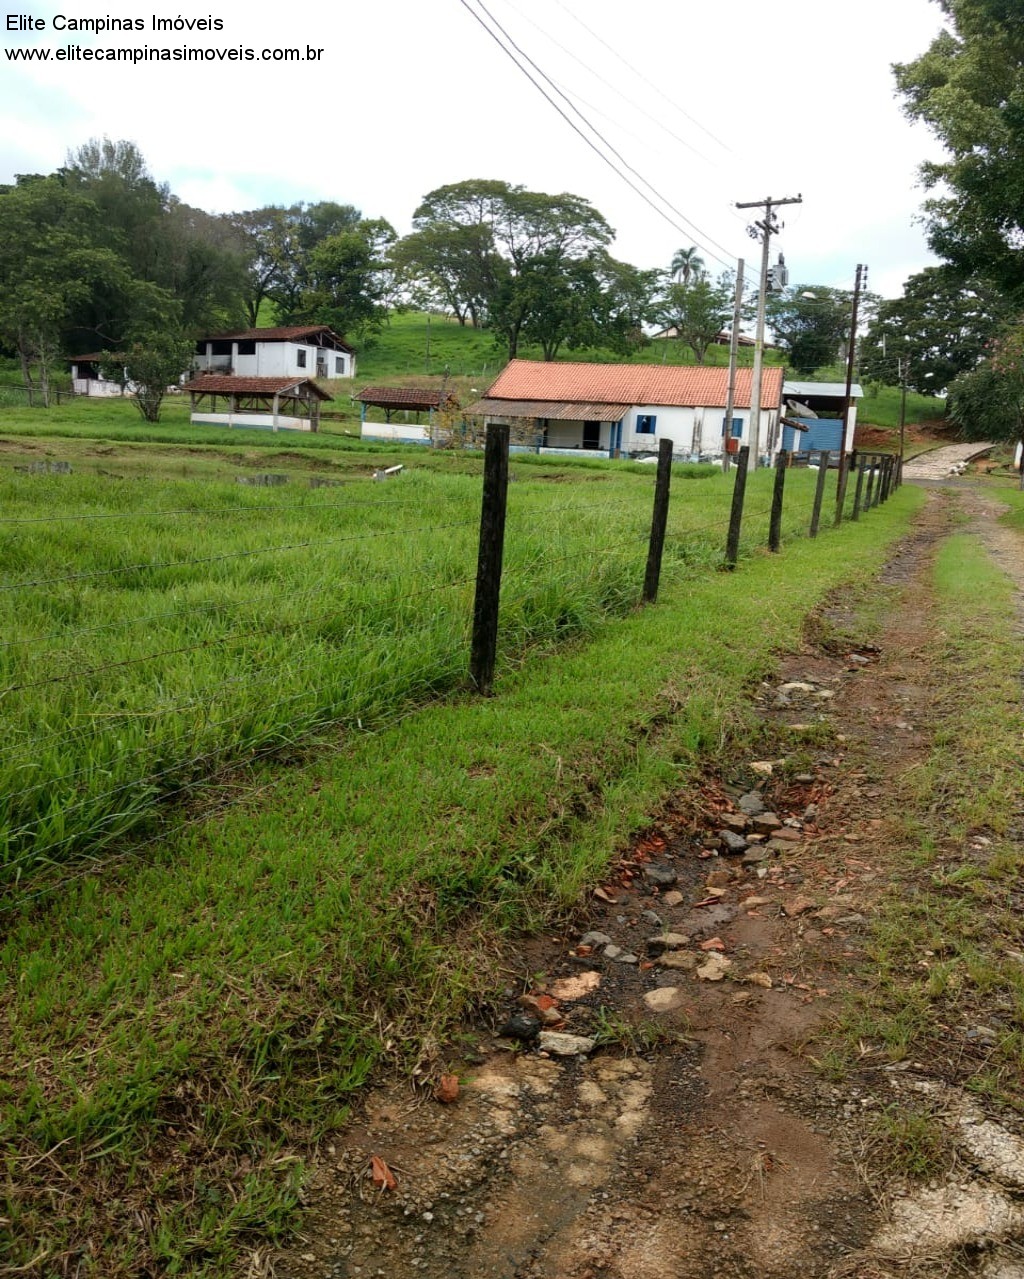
[(280, 359)]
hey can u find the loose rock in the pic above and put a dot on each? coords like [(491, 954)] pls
[(666, 941), (660, 876), (520, 1027), (561, 1045), (714, 967), (665, 999)]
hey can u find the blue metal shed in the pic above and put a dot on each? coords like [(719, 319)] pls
[(821, 433)]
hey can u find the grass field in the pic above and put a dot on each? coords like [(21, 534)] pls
[(880, 406), (182, 1021), (156, 631)]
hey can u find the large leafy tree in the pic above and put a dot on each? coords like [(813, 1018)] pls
[(159, 239), (697, 311), (968, 87), (501, 240), (346, 279), (938, 329), (453, 268), (988, 402), (812, 325), (51, 267)]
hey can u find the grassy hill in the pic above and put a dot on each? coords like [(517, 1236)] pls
[(417, 344)]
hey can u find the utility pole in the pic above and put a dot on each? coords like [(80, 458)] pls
[(902, 365), (859, 284), (763, 231), (734, 342)]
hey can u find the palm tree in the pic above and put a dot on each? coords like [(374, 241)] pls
[(686, 263)]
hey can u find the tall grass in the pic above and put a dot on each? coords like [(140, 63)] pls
[(156, 633)]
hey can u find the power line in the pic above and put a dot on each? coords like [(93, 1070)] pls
[(640, 76), (609, 84), (590, 143)]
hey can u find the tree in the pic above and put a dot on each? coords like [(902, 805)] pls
[(988, 402), (938, 329), (50, 267), (501, 240), (450, 267), (346, 279), (697, 311), (686, 263), (159, 239), (811, 323), (968, 87), (152, 362)]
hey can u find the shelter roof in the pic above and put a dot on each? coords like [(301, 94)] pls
[(631, 384), (218, 384), (402, 397)]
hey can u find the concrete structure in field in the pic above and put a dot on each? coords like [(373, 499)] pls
[(87, 377), (304, 351), (261, 403), (615, 410), (404, 399)]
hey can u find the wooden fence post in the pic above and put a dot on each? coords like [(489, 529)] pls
[(732, 543), (775, 523), (819, 492), (846, 463), (887, 478), (858, 490), (659, 519), (488, 571), (872, 458)]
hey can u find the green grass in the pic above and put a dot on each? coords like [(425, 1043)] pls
[(943, 946), (880, 406), (158, 631), (415, 345), (181, 1023)]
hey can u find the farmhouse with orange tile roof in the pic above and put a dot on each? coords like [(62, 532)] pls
[(617, 410)]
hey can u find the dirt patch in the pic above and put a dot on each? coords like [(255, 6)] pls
[(698, 1134)]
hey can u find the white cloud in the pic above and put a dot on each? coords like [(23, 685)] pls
[(408, 96)]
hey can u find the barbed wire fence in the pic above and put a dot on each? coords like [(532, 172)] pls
[(92, 757)]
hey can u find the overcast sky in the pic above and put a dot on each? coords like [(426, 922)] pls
[(708, 103)]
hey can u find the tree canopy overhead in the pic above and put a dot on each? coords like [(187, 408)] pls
[(968, 87), (938, 329)]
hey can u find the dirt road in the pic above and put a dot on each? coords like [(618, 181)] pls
[(706, 1134)]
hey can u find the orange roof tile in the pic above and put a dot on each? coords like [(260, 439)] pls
[(638, 384)]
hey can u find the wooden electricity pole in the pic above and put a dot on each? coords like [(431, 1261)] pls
[(734, 341), (763, 231), (844, 457)]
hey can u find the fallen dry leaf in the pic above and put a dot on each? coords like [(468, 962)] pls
[(604, 896), (382, 1176), (715, 943), (447, 1090)]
